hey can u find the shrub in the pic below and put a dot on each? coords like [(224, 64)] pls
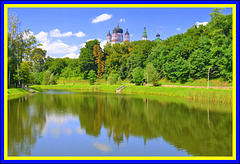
[(92, 77), (113, 78), (138, 76)]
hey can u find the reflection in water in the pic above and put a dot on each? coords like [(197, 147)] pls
[(79, 119), (102, 147)]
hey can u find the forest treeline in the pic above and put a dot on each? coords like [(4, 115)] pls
[(183, 57)]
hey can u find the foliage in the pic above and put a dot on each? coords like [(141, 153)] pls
[(48, 78), (113, 78), (180, 58), (99, 55), (137, 75), (92, 77), (87, 59), (150, 74)]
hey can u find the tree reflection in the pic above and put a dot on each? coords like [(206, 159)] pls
[(123, 116)]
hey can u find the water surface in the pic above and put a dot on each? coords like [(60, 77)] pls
[(62, 123)]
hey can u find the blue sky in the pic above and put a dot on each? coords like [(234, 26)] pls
[(64, 31)]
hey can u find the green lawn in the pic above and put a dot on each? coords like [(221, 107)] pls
[(16, 92), (199, 82), (212, 95), (202, 94), (79, 86)]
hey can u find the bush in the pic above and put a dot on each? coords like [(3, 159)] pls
[(48, 78), (150, 74), (138, 76), (92, 77), (113, 78)]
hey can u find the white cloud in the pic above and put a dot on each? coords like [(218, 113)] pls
[(80, 130), (103, 43), (79, 34), (179, 29), (26, 36), (82, 45), (58, 47), (131, 35), (101, 18), (57, 33), (201, 23), (42, 36), (71, 56), (102, 147), (122, 20)]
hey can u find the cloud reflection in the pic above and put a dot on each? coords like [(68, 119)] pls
[(102, 147)]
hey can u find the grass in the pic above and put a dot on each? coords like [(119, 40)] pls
[(202, 94), (79, 86), (16, 92), (199, 94), (19, 92), (199, 82)]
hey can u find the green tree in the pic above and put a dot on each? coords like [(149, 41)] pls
[(87, 59), (24, 72), (92, 77), (48, 78), (137, 75), (37, 56), (150, 74), (113, 78)]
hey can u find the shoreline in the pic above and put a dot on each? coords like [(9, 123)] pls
[(187, 93), (199, 94)]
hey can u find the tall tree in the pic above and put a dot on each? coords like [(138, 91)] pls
[(99, 55), (86, 58), (13, 23)]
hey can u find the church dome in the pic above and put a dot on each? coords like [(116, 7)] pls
[(117, 30)]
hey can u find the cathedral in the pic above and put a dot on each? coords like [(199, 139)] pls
[(117, 36)]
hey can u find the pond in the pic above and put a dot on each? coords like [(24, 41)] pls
[(63, 123)]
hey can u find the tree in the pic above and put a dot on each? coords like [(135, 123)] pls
[(48, 78), (137, 75), (92, 77), (13, 23), (158, 58), (113, 78), (99, 55), (150, 74), (86, 58), (37, 56), (24, 72)]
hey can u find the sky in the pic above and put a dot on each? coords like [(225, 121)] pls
[(64, 31)]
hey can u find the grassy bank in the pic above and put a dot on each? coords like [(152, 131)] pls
[(80, 87), (202, 94), (16, 92), (199, 94), (198, 82)]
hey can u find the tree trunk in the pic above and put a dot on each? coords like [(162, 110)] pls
[(9, 74), (18, 71)]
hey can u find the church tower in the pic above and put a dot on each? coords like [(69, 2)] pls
[(117, 36), (127, 36), (109, 37), (144, 36)]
